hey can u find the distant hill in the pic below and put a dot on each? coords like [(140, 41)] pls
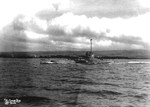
[(102, 54), (124, 53)]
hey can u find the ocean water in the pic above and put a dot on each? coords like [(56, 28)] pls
[(121, 83)]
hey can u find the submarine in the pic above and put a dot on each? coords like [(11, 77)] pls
[(88, 58)]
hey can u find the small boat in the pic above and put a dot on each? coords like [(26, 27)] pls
[(58, 61), (48, 62)]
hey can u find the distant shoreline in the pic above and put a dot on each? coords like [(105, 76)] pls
[(74, 57), (114, 54)]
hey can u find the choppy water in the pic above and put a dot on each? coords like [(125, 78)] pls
[(122, 83)]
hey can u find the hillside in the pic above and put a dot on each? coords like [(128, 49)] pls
[(103, 54)]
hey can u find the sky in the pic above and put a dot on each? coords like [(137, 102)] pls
[(60, 25)]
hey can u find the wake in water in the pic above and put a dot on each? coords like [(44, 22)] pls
[(139, 62)]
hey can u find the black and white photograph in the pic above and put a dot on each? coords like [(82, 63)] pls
[(74, 53)]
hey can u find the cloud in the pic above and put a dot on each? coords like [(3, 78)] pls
[(56, 6), (15, 36), (116, 31), (95, 8), (48, 14), (70, 25), (109, 8)]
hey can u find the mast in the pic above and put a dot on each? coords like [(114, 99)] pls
[(91, 45)]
